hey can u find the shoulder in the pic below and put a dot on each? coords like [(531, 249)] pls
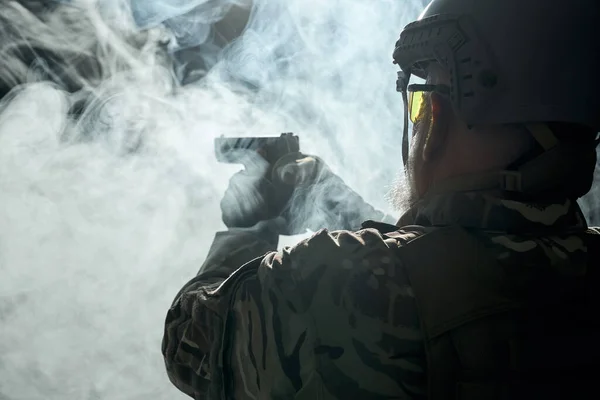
[(343, 250), (359, 309), (369, 241), (334, 264)]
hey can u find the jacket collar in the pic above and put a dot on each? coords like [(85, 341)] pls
[(485, 212)]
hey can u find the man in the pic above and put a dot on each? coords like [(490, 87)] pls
[(484, 289)]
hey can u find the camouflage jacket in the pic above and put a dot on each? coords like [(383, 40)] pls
[(334, 316)]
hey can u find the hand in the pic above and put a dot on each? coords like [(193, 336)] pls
[(299, 189), (252, 197), (321, 199)]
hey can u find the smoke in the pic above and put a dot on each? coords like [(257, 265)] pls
[(590, 203), (109, 189), (108, 185)]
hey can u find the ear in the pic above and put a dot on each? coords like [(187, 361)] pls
[(441, 112)]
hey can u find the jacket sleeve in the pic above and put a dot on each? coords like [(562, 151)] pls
[(192, 320), (330, 318)]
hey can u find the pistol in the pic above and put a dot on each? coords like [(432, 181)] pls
[(234, 150)]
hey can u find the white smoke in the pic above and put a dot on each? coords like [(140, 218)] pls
[(590, 203), (104, 217)]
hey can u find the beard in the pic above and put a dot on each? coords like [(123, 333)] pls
[(402, 195)]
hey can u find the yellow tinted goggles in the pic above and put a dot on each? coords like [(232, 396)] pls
[(416, 98), (415, 105)]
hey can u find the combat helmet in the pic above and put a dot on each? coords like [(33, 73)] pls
[(524, 62)]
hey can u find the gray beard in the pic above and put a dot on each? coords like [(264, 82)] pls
[(402, 194)]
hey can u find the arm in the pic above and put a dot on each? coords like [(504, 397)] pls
[(236, 246), (188, 333), (331, 317)]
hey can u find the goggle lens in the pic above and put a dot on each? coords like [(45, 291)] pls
[(415, 105)]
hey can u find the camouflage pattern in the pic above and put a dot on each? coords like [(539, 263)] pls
[(334, 317)]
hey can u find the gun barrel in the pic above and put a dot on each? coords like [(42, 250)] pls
[(232, 150)]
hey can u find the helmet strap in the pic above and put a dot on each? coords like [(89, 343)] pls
[(555, 166), (543, 135)]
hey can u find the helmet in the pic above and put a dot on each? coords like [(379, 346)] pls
[(511, 61), (526, 62)]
